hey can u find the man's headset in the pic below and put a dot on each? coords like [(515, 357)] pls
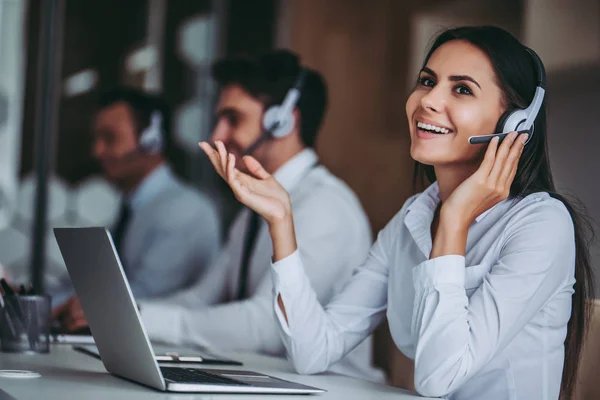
[(278, 120), (520, 120), (151, 139)]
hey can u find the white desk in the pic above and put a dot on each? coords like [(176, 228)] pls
[(69, 374)]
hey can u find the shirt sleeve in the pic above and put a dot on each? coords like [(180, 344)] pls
[(241, 325), (458, 335), (315, 336)]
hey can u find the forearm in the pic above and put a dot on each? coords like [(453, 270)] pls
[(248, 326), (450, 238)]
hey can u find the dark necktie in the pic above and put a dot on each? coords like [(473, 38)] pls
[(119, 231), (251, 231)]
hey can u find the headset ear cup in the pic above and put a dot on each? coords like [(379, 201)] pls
[(151, 138), (502, 121), (286, 124), (511, 121)]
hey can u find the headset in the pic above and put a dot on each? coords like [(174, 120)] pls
[(278, 120), (520, 120), (151, 139)]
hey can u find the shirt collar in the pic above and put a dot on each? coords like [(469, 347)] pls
[(427, 201), (486, 212), (419, 216), (150, 187), (290, 173)]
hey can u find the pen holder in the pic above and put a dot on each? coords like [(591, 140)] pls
[(25, 324)]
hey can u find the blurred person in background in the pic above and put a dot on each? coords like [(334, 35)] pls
[(167, 232), (231, 307)]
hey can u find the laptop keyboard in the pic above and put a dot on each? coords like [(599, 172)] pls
[(193, 375)]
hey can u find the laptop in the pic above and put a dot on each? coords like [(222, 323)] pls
[(122, 342)]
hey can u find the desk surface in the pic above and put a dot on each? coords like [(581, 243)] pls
[(70, 374)]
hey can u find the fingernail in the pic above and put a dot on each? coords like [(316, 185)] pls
[(524, 137), (513, 135)]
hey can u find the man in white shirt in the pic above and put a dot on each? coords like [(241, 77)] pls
[(231, 307), (167, 233)]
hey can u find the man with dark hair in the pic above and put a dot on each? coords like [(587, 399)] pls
[(167, 233), (231, 307)]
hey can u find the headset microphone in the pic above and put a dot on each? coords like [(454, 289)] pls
[(520, 120), (488, 138), (278, 120)]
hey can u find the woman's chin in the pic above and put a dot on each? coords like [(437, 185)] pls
[(426, 157)]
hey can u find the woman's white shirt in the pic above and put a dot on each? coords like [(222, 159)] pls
[(490, 324)]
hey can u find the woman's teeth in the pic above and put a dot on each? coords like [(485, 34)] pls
[(432, 128)]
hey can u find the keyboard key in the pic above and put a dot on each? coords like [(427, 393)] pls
[(193, 375)]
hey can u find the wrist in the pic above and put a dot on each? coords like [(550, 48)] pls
[(452, 220), (450, 238), (280, 216), (283, 237), (281, 224)]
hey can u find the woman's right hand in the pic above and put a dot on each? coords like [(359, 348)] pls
[(258, 191)]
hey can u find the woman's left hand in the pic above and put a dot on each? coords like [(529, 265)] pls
[(488, 186)]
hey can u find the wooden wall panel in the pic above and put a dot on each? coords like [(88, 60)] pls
[(360, 47)]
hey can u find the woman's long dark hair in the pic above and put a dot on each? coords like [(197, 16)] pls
[(516, 76)]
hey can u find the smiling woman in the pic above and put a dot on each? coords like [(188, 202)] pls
[(514, 76), (484, 277)]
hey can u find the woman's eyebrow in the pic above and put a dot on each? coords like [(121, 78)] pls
[(456, 78), (453, 78)]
